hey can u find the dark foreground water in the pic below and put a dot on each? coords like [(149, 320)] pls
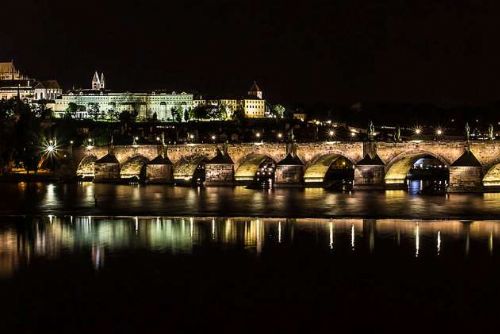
[(230, 275), (219, 260)]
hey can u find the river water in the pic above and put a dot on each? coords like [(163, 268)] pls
[(157, 259), (123, 200)]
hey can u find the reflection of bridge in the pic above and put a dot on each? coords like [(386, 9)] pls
[(473, 167)]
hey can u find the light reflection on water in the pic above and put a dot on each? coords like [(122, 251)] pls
[(112, 200), (24, 239)]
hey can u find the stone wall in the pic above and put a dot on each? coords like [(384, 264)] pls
[(159, 174), (465, 179), (289, 174), (219, 174)]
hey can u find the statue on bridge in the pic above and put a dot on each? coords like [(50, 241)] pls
[(491, 132), (371, 131), (467, 131), (397, 135)]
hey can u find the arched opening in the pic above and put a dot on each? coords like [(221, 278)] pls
[(419, 174), (134, 169), (492, 178), (85, 170), (264, 177), (332, 171), (256, 170)]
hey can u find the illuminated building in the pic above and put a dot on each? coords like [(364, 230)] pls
[(253, 104), (13, 84), (103, 104)]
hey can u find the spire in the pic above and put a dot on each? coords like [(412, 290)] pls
[(96, 83), (103, 82)]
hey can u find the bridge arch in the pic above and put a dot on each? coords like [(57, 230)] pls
[(86, 167), (492, 176), (134, 168), (250, 165), (398, 168), (190, 169), (318, 169)]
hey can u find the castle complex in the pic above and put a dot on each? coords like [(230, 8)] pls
[(100, 103), (14, 84)]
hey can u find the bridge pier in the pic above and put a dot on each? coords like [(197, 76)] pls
[(159, 171), (289, 172), (219, 171), (369, 174), (466, 174), (107, 169)]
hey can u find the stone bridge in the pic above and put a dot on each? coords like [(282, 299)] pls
[(473, 166)]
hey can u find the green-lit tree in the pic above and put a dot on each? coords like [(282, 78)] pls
[(176, 114), (278, 111), (93, 111)]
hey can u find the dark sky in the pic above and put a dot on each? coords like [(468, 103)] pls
[(310, 51)]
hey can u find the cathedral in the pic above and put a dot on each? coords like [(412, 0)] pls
[(98, 83)]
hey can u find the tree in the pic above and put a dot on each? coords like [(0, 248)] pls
[(222, 112), (71, 110), (154, 118), (214, 113), (112, 115), (127, 116), (94, 111), (176, 114), (200, 112), (278, 111), (187, 115), (239, 114)]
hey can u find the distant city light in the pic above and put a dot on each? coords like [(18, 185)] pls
[(158, 138), (280, 135), (191, 136), (257, 135), (331, 133), (353, 134)]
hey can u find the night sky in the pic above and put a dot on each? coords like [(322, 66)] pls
[(310, 51)]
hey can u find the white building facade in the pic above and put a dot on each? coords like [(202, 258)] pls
[(99, 103)]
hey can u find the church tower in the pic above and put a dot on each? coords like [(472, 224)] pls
[(96, 83), (103, 82), (255, 91)]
